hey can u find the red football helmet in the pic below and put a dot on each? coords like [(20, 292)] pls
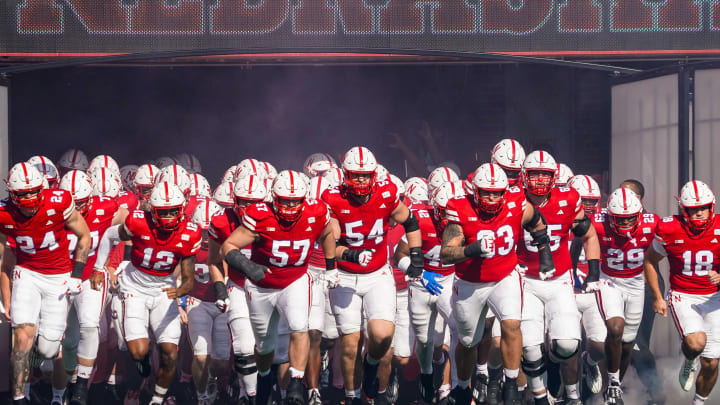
[(25, 184), (539, 162)]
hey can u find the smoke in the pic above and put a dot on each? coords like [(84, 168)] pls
[(279, 114)]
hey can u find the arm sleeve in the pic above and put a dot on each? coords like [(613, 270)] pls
[(110, 237)]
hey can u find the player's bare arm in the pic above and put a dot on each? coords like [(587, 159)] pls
[(452, 249), (77, 225), (403, 215), (650, 265), (242, 237), (120, 215), (327, 241), (215, 262), (402, 250), (187, 278)]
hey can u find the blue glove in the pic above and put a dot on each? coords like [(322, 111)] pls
[(430, 283)]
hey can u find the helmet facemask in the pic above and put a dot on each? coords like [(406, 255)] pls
[(590, 205), (28, 201), (694, 222), (359, 183), (539, 182), (242, 203), (288, 209), (625, 224), (168, 218), (488, 201)]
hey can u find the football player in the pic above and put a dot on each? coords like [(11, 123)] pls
[(480, 239), (82, 337), (207, 322), (549, 296), (280, 236), (690, 242), (38, 220), (430, 296), (509, 155), (625, 232), (592, 321), (161, 239), (361, 210), (247, 191)]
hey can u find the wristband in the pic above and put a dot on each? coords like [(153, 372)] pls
[(220, 290), (126, 252), (330, 264), (78, 270)]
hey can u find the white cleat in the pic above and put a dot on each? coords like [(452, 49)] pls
[(687, 375)]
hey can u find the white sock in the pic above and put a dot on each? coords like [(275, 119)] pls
[(295, 373), (572, 391), (84, 371), (202, 395), (482, 369), (111, 379), (463, 383), (698, 400), (310, 391), (512, 373), (614, 377)]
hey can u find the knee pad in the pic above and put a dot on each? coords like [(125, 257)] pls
[(533, 364), (245, 365), (89, 343), (563, 349), (48, 349)]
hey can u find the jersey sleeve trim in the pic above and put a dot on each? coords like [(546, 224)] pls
[(248, 222), (69, 210)]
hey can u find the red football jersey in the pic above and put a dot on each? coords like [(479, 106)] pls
[(621, 256), (317, 256), (505, 227), (690, 256), (363, 226), (284, 250), (394, 236), (559, 212), (157, 253), (431, 241), (222, 225), (41, 242), (128, 200), (99, 218), (202, 288)]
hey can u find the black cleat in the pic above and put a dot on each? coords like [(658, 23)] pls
[(370, 381), (480, 389), (264, 389), (460, 396), (511, 395), (427, 388), (542, 401), (143, 366), (353, 401), (79, 393), (296, 392)]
